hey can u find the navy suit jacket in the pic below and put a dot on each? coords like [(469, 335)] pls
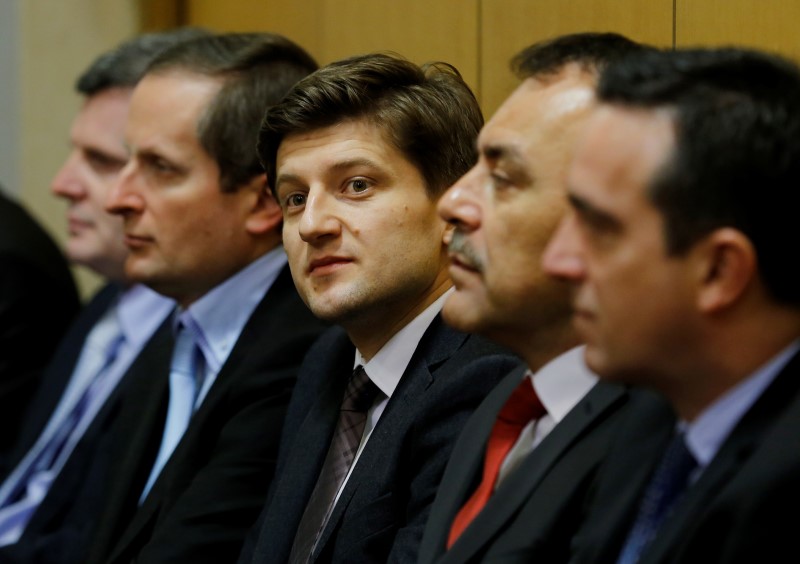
[(382, 509), (61, 527), (735, 512), (38, 301), (537, 508), (210, 491)]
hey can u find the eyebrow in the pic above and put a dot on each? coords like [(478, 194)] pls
[(336, 167), (512, 156), (591, 214)]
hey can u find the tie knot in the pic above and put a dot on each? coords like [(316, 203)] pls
[(360, 392), (523, 405)]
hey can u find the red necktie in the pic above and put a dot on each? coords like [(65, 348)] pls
[(522, 406)]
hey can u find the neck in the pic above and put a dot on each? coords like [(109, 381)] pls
[(371, 331)]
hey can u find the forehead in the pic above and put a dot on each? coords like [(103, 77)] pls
[(102, 117), (172, 100), (540, 109), (350, 140), (622, 149)]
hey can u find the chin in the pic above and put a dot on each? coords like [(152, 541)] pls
[(460, 317)]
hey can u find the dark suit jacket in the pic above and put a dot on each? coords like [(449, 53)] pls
[(61, 527), (382, 509), (38, 301), (735, 512), (210, 491), (537, 508)]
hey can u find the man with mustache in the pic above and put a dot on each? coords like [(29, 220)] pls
[(357, 155), (523, 466)]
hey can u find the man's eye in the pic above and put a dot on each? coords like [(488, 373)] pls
[(499, 181), (358, 185), (295, 200)]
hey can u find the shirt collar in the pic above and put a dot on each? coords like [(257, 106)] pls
[(140, 311), (705, 435), (386, 368), (220, 315), (562, 382)]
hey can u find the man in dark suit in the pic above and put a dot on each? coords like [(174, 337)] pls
[(357, 155), (38, 301), (685, 190), (202, 227), (56, 461), (514, 492)]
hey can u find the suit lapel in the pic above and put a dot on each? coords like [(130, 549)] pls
[(145, 445), (58, 374), (316, 431), (437, 345), (733, 455), (465, 467), (517, 489)]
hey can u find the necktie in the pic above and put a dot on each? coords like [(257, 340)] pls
[(185, 383), (521, 407), (669, 481), (28, 486), (358, 398)]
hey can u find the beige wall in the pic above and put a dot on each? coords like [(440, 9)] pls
[(57, 40)]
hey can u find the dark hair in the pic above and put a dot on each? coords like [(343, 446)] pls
[(428, 113), (593, 51), (736, 160), (124, 66), (256, 70)]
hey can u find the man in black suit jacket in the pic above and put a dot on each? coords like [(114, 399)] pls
[(202, 227), (95, 240), (357, 155), (684, 194), (503, 212), (38, 301)]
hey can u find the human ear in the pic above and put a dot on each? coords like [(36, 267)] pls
[(264, 213), (728, 266)]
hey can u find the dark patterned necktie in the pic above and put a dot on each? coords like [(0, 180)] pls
[(668, 483), (358, 398)]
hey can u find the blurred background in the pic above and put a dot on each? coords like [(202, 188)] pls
[(45, 44)]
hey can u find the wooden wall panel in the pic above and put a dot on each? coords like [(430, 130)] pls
[(766, 24), (510, 25), (421, 30)]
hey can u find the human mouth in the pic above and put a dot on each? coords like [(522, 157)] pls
[(136, 241), (327, 265), (75, 224), (462, 255)]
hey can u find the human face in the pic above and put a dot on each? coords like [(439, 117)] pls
[(363, 237), (632, 301), (184, 234), (506, 208), (97, 156)]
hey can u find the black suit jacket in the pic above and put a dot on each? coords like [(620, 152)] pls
[(61, 527), (734, 513), (38, 301), (537, 508), (382, 509), (210, 491)]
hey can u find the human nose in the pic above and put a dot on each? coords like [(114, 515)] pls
[(124, 197), (317, 219), (459, 206), (67, 182), (563, 258)]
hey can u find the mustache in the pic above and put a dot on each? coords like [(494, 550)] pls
[(459, 245)]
